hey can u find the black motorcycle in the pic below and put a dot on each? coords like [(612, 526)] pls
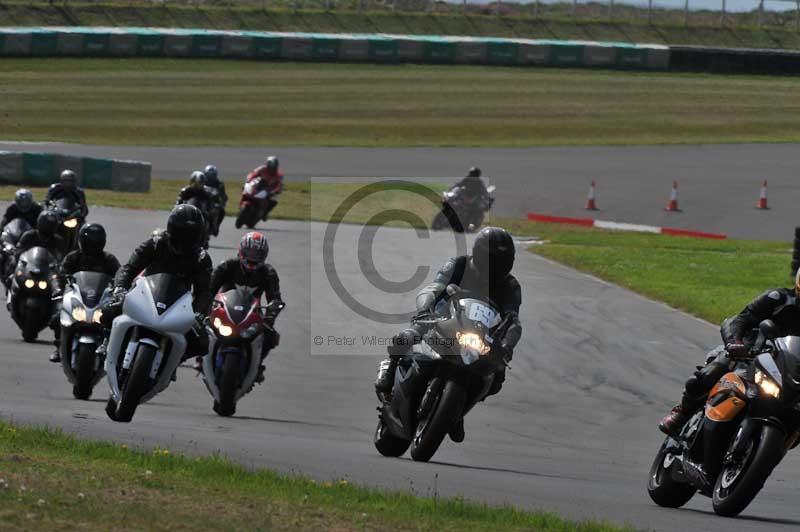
[(215, 217), (727, 450), (33, 283), (11, 234), (461, 211), (448, 372), (81, 331), (68, 213)]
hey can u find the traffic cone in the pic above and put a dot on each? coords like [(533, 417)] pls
[(672, 205), (591, 205), (762, 197)]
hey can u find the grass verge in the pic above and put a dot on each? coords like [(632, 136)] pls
[(711, 279), (206, 102), (51, 481)]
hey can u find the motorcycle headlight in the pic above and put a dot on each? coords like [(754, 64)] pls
[(222, 329), (98, 314), (78, 313), (71, 223), (30, 283), (767, 385), (473, 342), (42, 285)]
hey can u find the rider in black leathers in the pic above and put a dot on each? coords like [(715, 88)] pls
[(473, 184), (68, 186), (176, 251), (195, 189), (90, 255), (251, 269), (487, 272), (23, 207), (781, 305), (213, 182)]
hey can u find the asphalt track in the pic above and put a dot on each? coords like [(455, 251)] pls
[(718, 184), (574, 430)]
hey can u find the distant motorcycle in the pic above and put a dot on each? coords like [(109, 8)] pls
[(215, 217), (447, 373), (32, 287), (236, 333), (68, 212), (147, 342), (462, 212), (8, 240), (81, 331), (729, 449), (252, 204)]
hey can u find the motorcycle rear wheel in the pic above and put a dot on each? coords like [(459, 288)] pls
[(136, 384), (84, 371), (431, 431), (228, 383), (748, 477), (662, 488)]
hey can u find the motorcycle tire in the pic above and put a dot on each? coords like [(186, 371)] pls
[(239, 222), (84, 371), (228, 384), (30, 330), (767, 449), (387, 444), (431, 431), (136, 384), (663, 489)]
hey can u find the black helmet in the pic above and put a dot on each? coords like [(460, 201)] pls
[(47, 223), (23, 199), (474, 172), (197, 179), (493, 253), (69, 179), (92, 239), (186, 229), (211, 173), (272, 164)]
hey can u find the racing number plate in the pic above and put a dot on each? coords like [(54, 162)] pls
[(482, 313)]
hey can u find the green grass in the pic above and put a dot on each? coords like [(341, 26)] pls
[(51, 481), (556, 21), (711, 279), (186, 102)]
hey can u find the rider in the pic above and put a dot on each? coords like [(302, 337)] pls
[(68, 187), (90, 255), (271, 181), (45, 236), (488, 273), (195, 188), (23, 207), (251, 269), (213, 182), (176, 251), (473, 184), (781, 305)]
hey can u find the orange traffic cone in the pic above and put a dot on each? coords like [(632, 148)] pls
[(762, 197), (672, 205), (591, 205)]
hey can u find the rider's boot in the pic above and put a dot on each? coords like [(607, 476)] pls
[(673, 423), (385, 380), (198, 364)]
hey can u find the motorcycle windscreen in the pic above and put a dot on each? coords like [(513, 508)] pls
[(166, 289), (13, 230), (788, 362), (66, 203), (238, 302), (37, 260), (92, 285)]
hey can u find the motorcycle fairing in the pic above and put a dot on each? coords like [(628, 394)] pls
[(727, 399), (90, 290), (252, 351)]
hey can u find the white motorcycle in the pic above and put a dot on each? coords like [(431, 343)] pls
[(147, 342)]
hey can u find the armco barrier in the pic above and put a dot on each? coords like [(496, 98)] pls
[(42, 169), (382, 48)]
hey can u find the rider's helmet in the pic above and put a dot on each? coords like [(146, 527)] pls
[(474, 172), (186, 229), (23, 199), (197, 179), (253, 250), (272, 165), (68, 179), (493, 253), (47, 223), (212, 175), (92, 239)]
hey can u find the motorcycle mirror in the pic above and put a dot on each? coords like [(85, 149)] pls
[(768, 329)]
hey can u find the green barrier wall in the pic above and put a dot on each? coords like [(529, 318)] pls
[(39, 169), (156, 42)]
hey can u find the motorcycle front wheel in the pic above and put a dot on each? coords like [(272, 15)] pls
[(432, 429), (662, 488), (228, 384), (136, 384), (84, 371)]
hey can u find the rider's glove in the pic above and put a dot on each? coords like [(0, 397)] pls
[(737, 350)]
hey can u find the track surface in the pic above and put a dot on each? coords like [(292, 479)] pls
[(573, 431), (719, 184)]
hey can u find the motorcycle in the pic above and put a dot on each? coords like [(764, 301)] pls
[(32, 287), (727, 450), (215, 216), (68, 213), (147, 342), (236, 333), (462, 212), (205, 208), (252, 204), (81, 331), (444, 376), (11, 234)]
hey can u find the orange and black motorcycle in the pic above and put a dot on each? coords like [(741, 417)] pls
[(727, 450)]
